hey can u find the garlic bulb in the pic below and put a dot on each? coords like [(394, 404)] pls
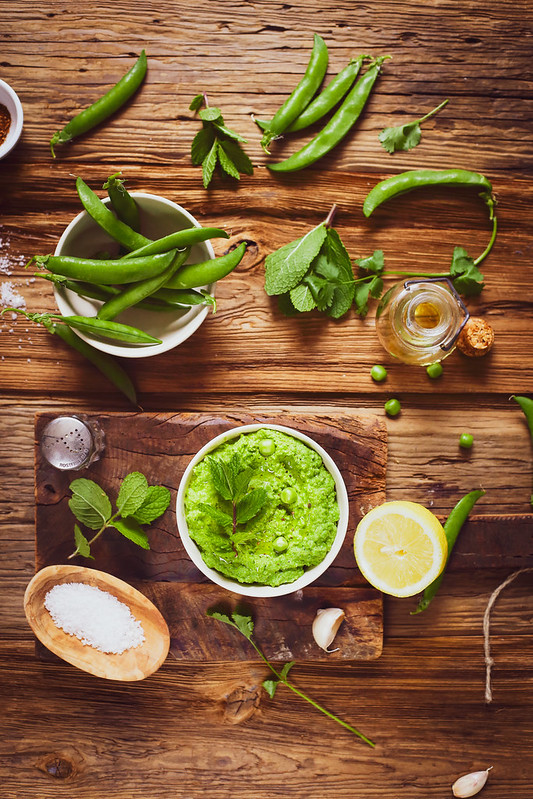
[(325, 625), (470, 784)]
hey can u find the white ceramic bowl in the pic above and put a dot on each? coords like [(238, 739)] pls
[(12, 103), (253, 589), (83, 238)]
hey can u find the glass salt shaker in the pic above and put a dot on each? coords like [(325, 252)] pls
[(419, 321), (72, 442)]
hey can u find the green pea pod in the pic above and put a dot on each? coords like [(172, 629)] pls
[(338, 126), (302, 94), (184, 296), (420, 178), (105, 106), (137, 292), (106, 273), (452, 528), (107, 220), (106, 329), (104, 362), (123, 203), (527, 406), (192, 276), (178, 239)]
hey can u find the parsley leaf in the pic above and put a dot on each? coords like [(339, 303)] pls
[(216, 144), (405, 137)]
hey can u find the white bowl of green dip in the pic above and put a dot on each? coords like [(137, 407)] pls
[(262, 510)]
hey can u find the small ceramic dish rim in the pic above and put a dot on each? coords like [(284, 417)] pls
[(9, 98), (70, 303), (263, 590)]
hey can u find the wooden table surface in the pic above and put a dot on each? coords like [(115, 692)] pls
[(195, 730)]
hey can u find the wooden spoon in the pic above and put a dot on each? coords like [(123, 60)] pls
[(133, 664)]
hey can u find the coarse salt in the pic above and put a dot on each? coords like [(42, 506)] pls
[(96, 617), (9, 296)]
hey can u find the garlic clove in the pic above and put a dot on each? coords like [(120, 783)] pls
[(470, 784), (325, 625)]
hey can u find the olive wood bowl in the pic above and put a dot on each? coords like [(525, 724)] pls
[(133, 664)]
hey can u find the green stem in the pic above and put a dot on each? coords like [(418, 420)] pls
[(415, 274), (431, 113), (488, 248), (308, 698), (98, 534)]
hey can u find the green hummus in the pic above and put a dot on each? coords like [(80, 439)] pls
[(297, 511)]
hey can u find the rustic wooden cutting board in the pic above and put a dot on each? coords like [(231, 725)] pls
[(161, 445)]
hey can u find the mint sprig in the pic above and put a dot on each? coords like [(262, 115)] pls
[(245, 625), (137, 504), (216, 144)]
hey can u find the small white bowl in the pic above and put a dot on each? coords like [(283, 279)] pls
[(13, 105), (83, 238), (245, 589)]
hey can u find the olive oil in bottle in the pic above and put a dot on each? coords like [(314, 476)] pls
[(419, 321)]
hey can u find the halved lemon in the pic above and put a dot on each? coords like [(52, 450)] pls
[(400, 547)]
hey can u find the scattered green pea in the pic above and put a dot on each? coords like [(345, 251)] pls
[(392, 407), (267, 447), (288, 496), (378, 373), (434, 370), (280, 544), (466, 440)]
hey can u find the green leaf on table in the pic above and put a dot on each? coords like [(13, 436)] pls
[(270, 687), (209, 164), (234, 151), (211, 114), (334, 263), (231, 134), (250, 505), (402, 137), (243, 623), (301, 298), (132, 493), (89, 503), (202, 144), (227, 164), (374, 263), (363, 291), (82, 545), (131, 529), (154, 505), (466, 277), (197, 102), (215, 614), (285, 267)]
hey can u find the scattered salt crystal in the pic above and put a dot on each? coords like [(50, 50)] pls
[(9, 296), (96, 617)]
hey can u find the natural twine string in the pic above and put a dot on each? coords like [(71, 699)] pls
[(489, 662)]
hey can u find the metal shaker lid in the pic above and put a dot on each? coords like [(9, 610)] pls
[(69, 442)]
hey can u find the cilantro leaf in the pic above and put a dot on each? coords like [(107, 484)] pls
[(466, 277), (270, 687), (406, 136), (285, 267), (243, 623), (215, 614), (374, 263), (365, 290)]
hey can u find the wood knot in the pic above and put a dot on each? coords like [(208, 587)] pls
[(58, 767), (241, 704)]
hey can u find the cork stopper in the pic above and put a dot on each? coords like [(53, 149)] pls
[(476, 338)]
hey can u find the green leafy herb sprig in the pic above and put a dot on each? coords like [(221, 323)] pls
[(245, 625), (217, 144), (312, 272), (463, 272), (407, 136), (137, 503), (232, 480)]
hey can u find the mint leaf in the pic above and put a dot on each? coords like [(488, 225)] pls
[(209, 164), (374, 263), (131, 529), (82, 545), (234, 151), (89, 503), (241, 482), (402, 137), (250, 505), (227, 164), (132, 493), (301, 298), (285, 267), (244, 624), (223, 477), (286, 668), (201, 144), (285, 304), (231, 134), (154, 505), (211, 114), (270, 687), (197, 102), (219, 516)]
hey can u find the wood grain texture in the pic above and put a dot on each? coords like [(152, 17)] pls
[(195, 729)]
